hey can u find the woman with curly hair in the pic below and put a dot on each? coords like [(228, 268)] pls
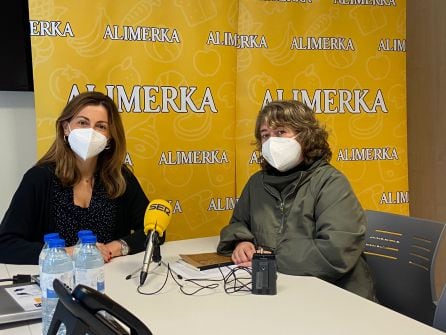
[(299, 206)]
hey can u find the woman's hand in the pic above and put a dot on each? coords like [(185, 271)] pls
[(103, 249), (115, 248), (243, 252), (107, 254), (69, 251)]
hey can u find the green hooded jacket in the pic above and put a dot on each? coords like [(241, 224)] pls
[(315, 225)]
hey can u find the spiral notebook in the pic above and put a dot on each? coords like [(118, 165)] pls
[(20, 302)]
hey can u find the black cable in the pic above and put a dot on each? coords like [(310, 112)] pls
[(196, 282), (21, 279), (155, 292), (231, 282), (18, 279), (241, 287), (239, 284)]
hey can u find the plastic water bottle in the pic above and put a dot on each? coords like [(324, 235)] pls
[(89, 265), (44, 250), (57, 264), (77, 246)]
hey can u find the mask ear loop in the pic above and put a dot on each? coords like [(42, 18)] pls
[(108, 146), (65, 137)]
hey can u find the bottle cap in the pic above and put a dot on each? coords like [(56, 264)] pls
[(88, 239), (50, 236), (81, 233), (56, 243)]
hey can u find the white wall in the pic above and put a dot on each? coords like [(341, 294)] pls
[(17, 142)]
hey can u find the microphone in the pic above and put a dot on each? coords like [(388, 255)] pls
[(156, 220)]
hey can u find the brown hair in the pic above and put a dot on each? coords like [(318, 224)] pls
[(301, 119), (110, 161)]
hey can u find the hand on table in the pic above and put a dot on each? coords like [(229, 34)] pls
[(243, 252), (106, 251), (103, 249)]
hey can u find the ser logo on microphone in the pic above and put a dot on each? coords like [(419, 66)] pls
[(160, 207)]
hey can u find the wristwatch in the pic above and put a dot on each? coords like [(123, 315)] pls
[(124, 248)]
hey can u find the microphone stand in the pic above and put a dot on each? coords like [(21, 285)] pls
[(129, 276), (156, 257)]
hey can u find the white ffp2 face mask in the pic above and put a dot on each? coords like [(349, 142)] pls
[(282, 153), (86, 142)]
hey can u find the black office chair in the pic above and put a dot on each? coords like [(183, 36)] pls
[(400, 251), (440, 312), (80, 312)]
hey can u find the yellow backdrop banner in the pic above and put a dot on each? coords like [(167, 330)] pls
[(189, 77)]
